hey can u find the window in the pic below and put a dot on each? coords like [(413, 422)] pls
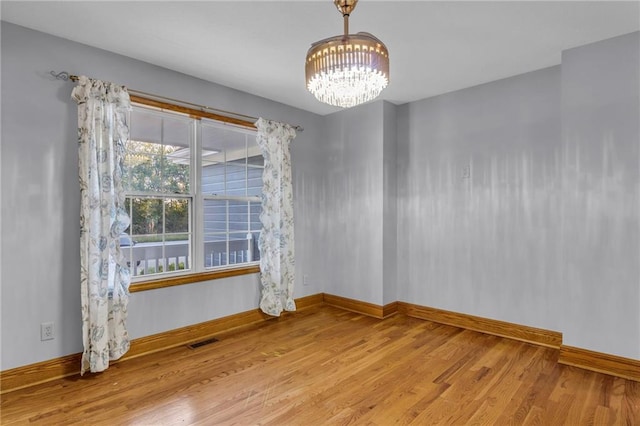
[(231, 187), (193, 189)]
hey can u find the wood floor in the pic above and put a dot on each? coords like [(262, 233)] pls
[(323, 366)]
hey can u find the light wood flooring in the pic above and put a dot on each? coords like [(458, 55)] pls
[(327, 366)]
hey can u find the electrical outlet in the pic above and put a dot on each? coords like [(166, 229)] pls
[(305, 279), (46, 331)]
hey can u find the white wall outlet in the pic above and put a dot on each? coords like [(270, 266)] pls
[(305, 279), (46, 331)]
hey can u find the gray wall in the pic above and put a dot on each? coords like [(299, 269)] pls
[(389, 207), (599, 183), (518, 199), (477, 221), (360, 211), (40, 197), (354, 194)]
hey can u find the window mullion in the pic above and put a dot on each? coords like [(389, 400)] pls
[(226, 189), (163, 262), (246, 165), (160, 262), (233, 198), (227, 234), (246, 192), (197, 236), (143, 194)]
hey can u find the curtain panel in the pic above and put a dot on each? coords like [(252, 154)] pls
[(103, 111), (276, 244)]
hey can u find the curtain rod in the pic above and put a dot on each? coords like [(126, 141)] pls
[(64, 75)]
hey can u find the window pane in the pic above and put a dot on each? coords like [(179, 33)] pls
[(255, 250), (238, 216), (254, 175), (145, 126), (158, 153), (254, 216), (158, 239), (215, 250), (236, 179), (153, 167), (238, 248), (224, 139), (176, 253), (146, 216), (175, 169), (231, 161), (231, 179), (213, 179), (142, 167), (215, 233), (159, 257), (175, 130), (215, 216), (153, 256), (239, 244), (177, 215), (126, 246)]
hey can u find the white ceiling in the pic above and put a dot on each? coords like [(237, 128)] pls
[(260, 46)]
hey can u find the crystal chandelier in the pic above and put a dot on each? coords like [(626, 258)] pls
[(349, 69)]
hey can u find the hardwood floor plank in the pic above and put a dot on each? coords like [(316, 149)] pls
[(523, 400), (631, 403), (535, 417), (326, 366)]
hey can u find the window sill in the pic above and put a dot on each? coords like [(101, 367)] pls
[(192, 278)]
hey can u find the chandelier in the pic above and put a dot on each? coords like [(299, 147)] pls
[(349, 69)]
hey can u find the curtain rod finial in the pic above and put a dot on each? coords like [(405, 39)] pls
[(60, 75), (63, 75)]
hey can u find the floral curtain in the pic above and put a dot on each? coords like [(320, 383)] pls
[(103, 110), (276, 239)]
